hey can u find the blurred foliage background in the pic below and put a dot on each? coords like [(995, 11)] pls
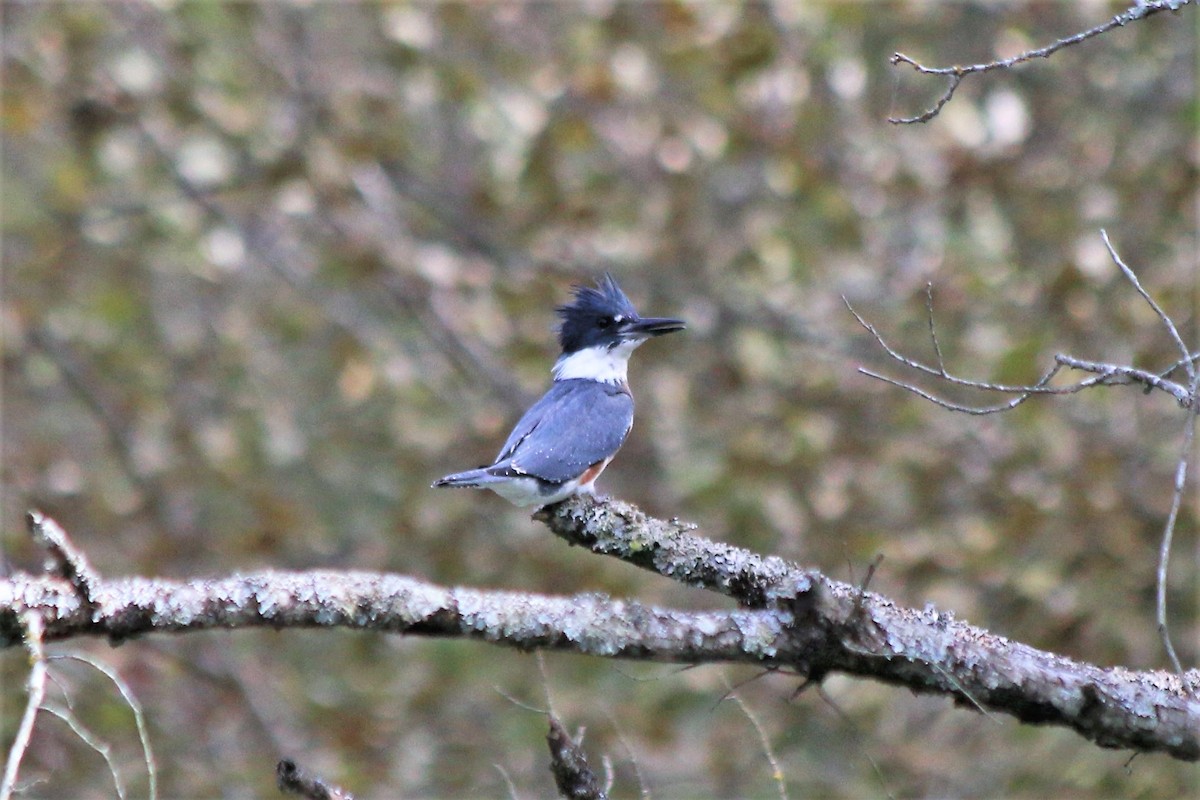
[(270, 269)]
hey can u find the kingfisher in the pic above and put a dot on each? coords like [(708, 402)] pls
[(566, 439)]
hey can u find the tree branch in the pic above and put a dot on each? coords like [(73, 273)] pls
[(1139, 10), (1104, 374), (792, 619), (35, 688), (835, 626)]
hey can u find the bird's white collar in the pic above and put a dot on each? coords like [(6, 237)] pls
[(603, 364)]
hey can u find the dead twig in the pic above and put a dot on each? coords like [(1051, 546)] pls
[(1103, 374), (1164, 548), (1172, 331), (768, 751), (66, 560), (139, 716), (35, 686), (1107, 375), (1139, 10), (91, 740)]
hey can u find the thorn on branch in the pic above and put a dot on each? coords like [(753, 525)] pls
[(65, 559), (860, 601)]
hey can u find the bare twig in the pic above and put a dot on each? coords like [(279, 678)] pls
[(978, 706), (1140, 10), (933, 337), (508, 782), (1121, 375), (1188, 366), (67, 561), (35, 686), (643, 787), (91, 740), (776, 770), (131, 700), (1187, 398), (1164, 550), (1105, 374)]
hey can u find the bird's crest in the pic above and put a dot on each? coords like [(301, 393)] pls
[(591, 304)]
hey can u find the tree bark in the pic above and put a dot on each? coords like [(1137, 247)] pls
[(789, 619)]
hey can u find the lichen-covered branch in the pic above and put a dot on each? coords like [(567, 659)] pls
[(589, 623), (791, 619), (834, 626)]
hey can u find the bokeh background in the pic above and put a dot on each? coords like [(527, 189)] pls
[(269, 269)]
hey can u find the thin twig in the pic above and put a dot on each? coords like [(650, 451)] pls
[(508, 781), (643, 788), (67, 560), (1140, 10), (1192, 357), (1120, 375), (519, 703), (933, 337), (36, 688), (936, 108), (866, 581), (730, 689), (131, 700), (91, 740), (776, 770), (1164, 551), (958, 685), (1162, 315), (1040, 387), (1105, 374)]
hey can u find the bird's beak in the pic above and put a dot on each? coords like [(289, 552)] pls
[(645, 327)]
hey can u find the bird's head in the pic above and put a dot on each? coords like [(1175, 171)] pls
[(603, 317)]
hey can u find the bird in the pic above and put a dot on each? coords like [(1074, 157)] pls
[(566, 439)]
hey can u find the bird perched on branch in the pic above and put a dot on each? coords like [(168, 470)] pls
[(567, 438)]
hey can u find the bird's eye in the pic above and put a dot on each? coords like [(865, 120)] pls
[(604, 322)]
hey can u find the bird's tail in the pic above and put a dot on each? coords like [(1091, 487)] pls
[(471, 479)]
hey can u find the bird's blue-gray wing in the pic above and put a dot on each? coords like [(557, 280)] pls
[(530, 420), (576, 424)]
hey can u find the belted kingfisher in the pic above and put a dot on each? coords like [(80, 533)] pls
[(566, 439)]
